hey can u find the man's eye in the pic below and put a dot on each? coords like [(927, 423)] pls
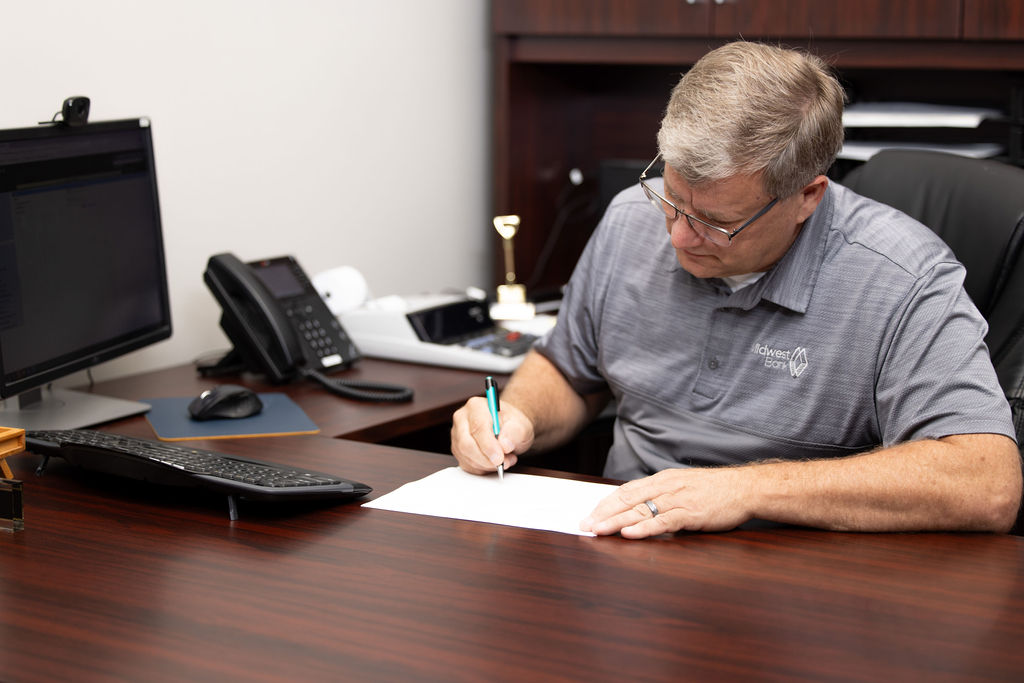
[(723, 224)]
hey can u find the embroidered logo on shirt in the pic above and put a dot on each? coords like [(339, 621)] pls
[(794, 360)]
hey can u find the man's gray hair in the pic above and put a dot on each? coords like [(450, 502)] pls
[(746, 108)]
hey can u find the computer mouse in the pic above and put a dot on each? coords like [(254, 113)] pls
[(225, 401)]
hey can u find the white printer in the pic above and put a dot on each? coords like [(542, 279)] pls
[(449, 330)]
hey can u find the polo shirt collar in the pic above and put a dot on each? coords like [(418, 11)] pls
[(791, 281)]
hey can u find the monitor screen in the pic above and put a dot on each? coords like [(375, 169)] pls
[(82, 274)]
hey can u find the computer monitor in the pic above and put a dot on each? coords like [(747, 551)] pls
[(82, 274)]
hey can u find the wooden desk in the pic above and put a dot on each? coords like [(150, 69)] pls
[(438, 393), (422, 424), (117, 580), (114, 581)]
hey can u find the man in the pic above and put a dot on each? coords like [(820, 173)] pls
[(791, 352)]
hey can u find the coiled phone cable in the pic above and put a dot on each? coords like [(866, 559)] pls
[(377, 392)]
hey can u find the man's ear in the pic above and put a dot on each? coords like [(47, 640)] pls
[(810, 196)]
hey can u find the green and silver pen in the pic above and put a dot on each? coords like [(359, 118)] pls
[(492, 404)]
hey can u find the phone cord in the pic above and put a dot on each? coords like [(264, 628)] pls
[(360, 390)]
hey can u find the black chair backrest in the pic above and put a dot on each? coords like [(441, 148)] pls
[(977, 207)]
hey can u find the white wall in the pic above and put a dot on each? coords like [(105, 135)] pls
[(340, 131)]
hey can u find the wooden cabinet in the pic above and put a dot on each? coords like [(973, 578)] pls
[(993, 20), (838, 18), (867, 19), (581, 84), (603, 17)]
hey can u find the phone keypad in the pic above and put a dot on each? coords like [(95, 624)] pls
[(323, 338), (318, 338)]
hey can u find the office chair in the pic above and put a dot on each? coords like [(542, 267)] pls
[(977, 207)]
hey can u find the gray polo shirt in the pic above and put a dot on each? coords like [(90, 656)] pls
[(861, 336)]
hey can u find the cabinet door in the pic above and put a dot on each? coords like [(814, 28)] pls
[(604, 18), (993, 20), (837, 18)]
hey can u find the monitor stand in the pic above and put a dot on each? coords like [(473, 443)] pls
[(65, 409)]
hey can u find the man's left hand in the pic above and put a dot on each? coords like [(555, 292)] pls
[(692, 499)]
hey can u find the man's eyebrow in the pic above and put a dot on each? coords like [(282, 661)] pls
[(710, 216), (672, 193), (715, 218)]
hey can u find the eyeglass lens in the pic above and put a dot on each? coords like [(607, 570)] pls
[(672, 213)]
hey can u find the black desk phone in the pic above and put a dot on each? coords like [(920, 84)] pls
[(281, 327)]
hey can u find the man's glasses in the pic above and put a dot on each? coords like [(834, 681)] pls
[(712, 233)]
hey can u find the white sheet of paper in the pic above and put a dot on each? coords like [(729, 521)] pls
[(863, 150), (915, 115), (523, 500)]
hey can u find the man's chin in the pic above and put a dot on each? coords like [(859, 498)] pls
[(699, 265)]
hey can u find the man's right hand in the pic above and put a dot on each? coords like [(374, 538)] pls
[(474, 445)]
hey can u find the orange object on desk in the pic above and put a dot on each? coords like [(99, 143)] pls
[(12, 441)]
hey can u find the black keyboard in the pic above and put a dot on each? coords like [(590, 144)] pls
[(165, 463)]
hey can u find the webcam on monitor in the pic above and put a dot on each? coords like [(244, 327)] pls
[(74, 112)]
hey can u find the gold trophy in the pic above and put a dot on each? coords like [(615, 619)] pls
[(511, 303)]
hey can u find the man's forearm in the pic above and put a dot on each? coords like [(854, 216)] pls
[(542, 393), (969, 482)]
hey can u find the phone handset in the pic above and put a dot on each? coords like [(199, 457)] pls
[(252, 318), (279, 325)]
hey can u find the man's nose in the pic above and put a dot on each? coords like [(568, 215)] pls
[(681, 234)]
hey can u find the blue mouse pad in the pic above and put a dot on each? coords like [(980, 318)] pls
[(280, 416)]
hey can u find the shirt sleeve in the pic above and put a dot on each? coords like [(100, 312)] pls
[(936, 378)]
